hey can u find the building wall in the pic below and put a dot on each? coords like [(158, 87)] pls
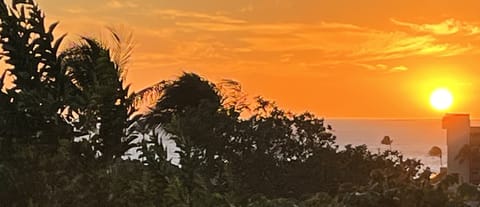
[(475, 155), (458, 135)]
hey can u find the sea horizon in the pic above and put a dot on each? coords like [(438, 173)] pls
[(412, 137)]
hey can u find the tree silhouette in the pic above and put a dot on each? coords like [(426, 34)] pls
[(100, 97), (30, 107), (32, 124), (387, 141), (55, 99), (436, 152)]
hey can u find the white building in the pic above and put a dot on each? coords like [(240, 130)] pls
[(460, 135)]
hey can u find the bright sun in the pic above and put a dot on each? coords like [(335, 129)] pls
[(441, 99)]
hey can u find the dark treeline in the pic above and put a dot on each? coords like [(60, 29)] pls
[(68, 121)]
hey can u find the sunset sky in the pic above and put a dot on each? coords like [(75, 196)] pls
[(336, 58)]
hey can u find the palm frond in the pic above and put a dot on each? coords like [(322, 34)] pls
[(121, 43), (149, 96), (232, 94)]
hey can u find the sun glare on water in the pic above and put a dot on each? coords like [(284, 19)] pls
[(441, 99)]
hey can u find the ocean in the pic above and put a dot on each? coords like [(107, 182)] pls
[(412, 137)]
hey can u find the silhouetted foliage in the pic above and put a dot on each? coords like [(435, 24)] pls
[(387, 141), (436, 152), (68, 123)]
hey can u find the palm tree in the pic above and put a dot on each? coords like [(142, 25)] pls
[(188, 92), (436, 152), (387, 141), (100, 96), (30, 108), (78, 91)]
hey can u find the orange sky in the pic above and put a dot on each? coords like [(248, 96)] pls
[(336, 58)]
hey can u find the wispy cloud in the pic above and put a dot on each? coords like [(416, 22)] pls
[(446, 27), (174, 14), (235, 25), (75, 11), (337, 38), (189, 37), (395, 45), (118, 4), (399, 68), (383, 67), (308, 45)]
